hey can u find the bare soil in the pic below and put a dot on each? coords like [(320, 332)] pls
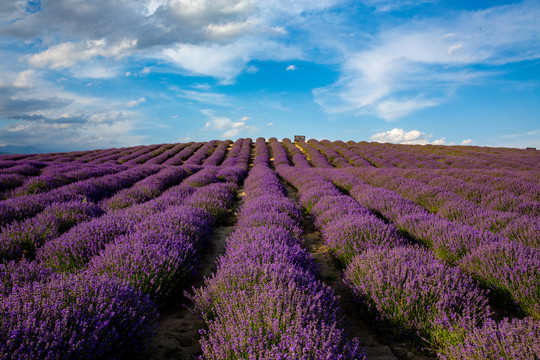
[(178, 332)]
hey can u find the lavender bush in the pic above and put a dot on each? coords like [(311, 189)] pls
[(417, 294), (265, 301), (23, 238), (512, 270), (74, 317), (508, 339)]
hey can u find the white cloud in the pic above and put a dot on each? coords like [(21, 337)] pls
[(520, 140), (153, 5), (25, 79), (466, 142), (270, 124), (391, 5), (400, 136), (251, 69), (221, 61), (291, 68), (454, 48), (135, 103), (227, 33), (441, 141), (226, 61), (186, 138), (95, 70), (224, 32), (206, 97), (393, 109), (75, 131), (228, 128), (422, 63), (68, 54), (201, 12), (204, 86), (145, 71)]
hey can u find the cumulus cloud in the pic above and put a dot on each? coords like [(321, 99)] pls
[(400, 136), (228, 128), (236, 30), (423, 63), (291, 68), (466, 142)]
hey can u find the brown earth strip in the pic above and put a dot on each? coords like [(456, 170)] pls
[(178, 333)]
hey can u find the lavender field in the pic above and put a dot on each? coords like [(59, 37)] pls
[(330, 250)]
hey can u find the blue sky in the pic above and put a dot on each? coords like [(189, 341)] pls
[(83, 74)]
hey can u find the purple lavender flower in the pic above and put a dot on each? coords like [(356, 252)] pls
[(417, 294), (509, 339), (512, 270), (75, 317)]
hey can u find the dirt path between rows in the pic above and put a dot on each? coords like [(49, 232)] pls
[(355, 325), (178, 333)]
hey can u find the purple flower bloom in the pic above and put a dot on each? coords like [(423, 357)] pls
[(74, 317)]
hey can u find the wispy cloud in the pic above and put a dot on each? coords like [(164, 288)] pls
[(291, 68), (206, 97), (422, 63), (519, 139), (134, 103), (391, 5), (226, 61)]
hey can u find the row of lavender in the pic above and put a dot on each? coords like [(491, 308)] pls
[(508, 267), (22, 237), (70, 182), (361, 155), (432, 156), (92, 292), (522, 226), (30, 221), (406, 285), (264, 301), (30, 176), (322, 155), (510, 209), (480, 183)]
